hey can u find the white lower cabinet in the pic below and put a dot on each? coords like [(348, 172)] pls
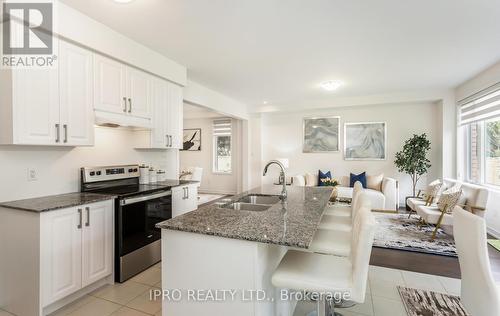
[(76, 249), (184, 199)]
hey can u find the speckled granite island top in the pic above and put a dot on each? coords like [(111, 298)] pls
[(289, 224), (54, 202)]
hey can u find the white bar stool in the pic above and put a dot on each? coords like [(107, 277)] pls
[(336, 242), (340, 277), (345, 210), (479, 293)]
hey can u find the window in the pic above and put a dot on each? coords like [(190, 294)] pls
[(480, 123), (222, 146)]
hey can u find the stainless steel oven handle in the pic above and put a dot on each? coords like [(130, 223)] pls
[(144, 198)]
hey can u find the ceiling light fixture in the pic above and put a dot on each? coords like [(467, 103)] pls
[(264, 102), (331, 85), (123, 1)]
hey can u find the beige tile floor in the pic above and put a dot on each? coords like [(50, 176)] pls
[(132, 297), (382, 297)]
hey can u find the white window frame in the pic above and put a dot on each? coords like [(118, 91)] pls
[(481, 156), (215, 156)]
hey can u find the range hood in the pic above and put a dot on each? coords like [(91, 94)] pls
[(108, 119)]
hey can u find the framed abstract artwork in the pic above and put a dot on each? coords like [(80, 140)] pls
[(192, 139), (321, 134), (365, 141)]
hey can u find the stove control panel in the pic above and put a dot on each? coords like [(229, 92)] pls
[(96, 174)]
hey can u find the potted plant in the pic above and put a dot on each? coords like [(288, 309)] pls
[(413, 160), (327, 182)]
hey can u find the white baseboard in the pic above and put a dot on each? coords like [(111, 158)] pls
[(493, 232)]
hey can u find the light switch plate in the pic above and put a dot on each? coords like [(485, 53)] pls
[(32, 174)]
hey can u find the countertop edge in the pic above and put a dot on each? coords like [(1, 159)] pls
[(58, 207)]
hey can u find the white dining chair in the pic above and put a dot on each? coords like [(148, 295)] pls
[(479, 293)]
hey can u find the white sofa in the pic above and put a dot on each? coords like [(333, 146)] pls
[(384, 199), (474, 198)]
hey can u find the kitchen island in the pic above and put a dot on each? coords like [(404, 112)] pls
[(219, 259)]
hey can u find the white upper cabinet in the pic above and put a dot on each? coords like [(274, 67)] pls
[(175, 116), (49, 106), (139, 87), (34, 107), (76, 114), (122, 90), (167, 115), (109, 85), (160, 100)]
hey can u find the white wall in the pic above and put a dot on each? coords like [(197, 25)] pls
[(86, 31), (482, 81), (197, 94), (58, 168), (282, 135), (211, 182)]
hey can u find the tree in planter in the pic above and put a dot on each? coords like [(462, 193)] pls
[(413, 158)]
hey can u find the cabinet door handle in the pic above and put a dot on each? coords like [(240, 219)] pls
[(81, 220), (58, 133), (88, 216), (130, 105), (124, 105), (187, 193), (170, 136), (65, 127)]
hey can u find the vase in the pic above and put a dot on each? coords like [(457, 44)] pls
[(334, 195)]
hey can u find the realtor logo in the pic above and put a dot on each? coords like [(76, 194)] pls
[(27, 31)]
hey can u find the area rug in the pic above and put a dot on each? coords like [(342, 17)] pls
[(427, 303), (396, 231), (494, 243)]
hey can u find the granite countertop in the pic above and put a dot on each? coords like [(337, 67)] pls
[(292, 223), (54, 202)]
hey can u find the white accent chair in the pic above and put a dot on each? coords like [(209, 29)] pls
[(344, 223), (384, 199), (479, 293), (474, 198), (338, 242), (327, 274)]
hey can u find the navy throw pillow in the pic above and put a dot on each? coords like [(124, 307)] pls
[(322, 175), (358, 177)]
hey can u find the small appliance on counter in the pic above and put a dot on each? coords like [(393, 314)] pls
[(143, 174), (138, 208)]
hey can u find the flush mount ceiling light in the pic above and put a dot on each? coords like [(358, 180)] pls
[(331, 85), (123, 1)]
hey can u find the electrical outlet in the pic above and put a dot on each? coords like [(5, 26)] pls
[(32, 174)]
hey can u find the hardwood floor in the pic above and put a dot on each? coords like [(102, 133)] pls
[(427, 263)]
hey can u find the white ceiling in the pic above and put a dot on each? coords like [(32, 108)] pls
[(198, 112), (280, 50)]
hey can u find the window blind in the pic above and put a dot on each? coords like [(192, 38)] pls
[(222, 127), (481, 106)]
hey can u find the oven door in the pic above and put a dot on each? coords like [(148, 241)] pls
[(137, 217)]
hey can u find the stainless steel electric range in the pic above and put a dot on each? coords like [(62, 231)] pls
[(138, 208)]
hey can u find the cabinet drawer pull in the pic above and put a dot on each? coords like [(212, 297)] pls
[(58, 133), (81, 220), (130, 105), (170, 137), (65, 127), (88, 216), (124, 105)]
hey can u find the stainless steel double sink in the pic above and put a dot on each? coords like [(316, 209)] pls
[(253, 202)]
